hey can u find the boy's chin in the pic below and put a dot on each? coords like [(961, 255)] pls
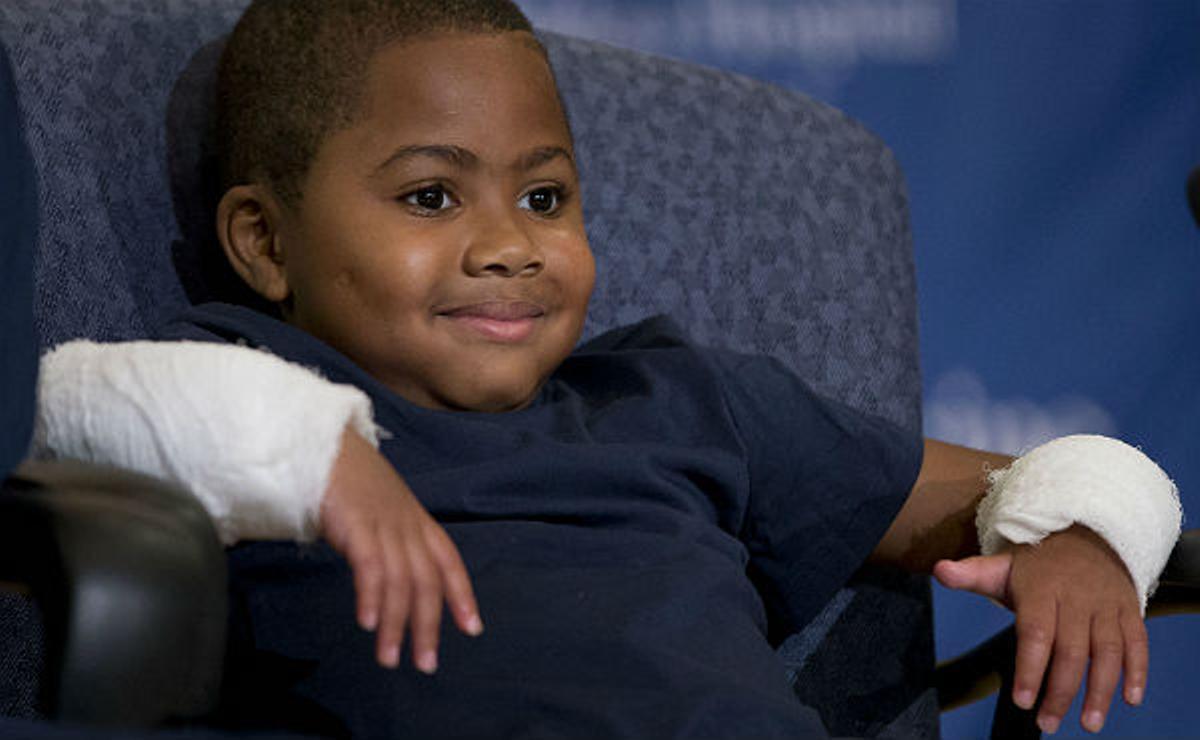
[(496, 404), (485, 397)]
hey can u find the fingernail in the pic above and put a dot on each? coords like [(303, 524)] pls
[(1048, 724), (390, 657), (1135, 696), (1093, 721), (368, 621), (1024, 699), (474, 625), (427, 662)]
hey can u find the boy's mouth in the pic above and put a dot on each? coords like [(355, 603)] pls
[(497, 321)]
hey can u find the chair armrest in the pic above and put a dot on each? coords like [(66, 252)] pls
[(131, 580), (1179, 585), (975, 674), (1193, 194)]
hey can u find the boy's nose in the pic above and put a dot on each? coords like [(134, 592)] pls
[(502, 249)]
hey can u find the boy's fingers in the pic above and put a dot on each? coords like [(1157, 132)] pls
[(1071, 648), (367, 566), (1137, 657), (1108, 653), (460, 596), (426, 614), (397, 602), (986, 575), (1035, 636)]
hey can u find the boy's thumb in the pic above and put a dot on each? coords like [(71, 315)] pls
[(986, 575)]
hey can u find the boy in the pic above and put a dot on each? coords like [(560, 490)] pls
[(411, 206)]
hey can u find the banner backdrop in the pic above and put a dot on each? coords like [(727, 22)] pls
[(1046, 146)]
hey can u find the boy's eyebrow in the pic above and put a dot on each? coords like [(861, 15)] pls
[(542, 155), (454, 155), (466, 159)]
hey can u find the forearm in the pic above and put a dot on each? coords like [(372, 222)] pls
[(1100, 483), (938, 519), (253, 437)]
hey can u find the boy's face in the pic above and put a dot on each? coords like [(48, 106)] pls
[(439, 241)]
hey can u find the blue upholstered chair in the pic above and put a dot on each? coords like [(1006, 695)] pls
[(761, 219)]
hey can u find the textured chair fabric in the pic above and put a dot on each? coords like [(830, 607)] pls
[(22, 656), (760, 219)]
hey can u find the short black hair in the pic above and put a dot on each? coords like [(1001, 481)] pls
[(293, 72)]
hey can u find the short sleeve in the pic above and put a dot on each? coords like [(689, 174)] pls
[(826, 481)]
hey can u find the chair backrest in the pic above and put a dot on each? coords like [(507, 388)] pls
[(761, 219)]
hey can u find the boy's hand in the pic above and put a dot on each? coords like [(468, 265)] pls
[(404, 563), (1074, 601)]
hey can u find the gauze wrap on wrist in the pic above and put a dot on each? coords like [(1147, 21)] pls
[(253, 437), (1103, 484)]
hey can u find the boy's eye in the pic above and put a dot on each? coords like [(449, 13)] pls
[(542, 200), (431, 198)]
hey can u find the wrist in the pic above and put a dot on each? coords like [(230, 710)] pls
[(1100, 483)]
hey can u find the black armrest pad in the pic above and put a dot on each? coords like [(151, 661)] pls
[(1179, 585), (130, 577), (1183, 569), (1193, 194)]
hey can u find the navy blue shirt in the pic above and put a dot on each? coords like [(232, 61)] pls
[(637, 537)]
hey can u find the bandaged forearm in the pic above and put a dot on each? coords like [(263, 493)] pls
[(252, 436), (1101, 483)]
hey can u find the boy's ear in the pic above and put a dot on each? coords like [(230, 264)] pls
[(248, 222)]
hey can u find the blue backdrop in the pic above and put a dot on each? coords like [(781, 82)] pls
[(1046, 146)]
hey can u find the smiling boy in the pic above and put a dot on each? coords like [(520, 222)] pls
[(400, 182)]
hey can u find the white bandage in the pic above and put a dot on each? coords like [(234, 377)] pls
[(1101, 483), (252, 436)]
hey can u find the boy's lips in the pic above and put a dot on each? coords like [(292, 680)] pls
[(498, 321)]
